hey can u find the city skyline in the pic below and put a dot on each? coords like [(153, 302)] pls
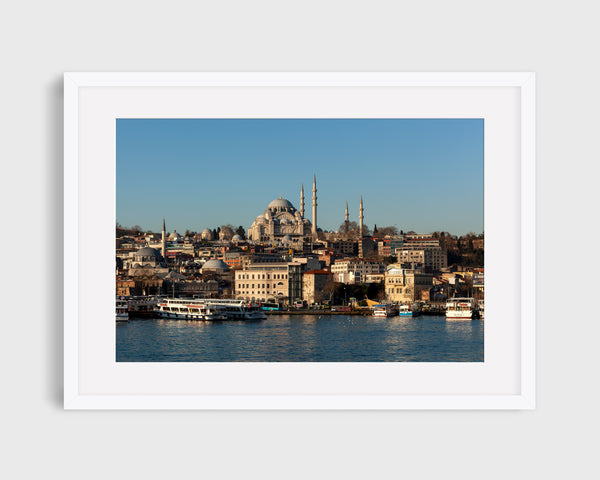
[(414, 174)]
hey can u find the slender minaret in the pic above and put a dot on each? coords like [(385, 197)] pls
[(314, 205), (361, 217), (164, 239), (347, 217), (302, 200)]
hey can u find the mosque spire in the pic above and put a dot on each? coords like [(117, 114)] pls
[(314, 208), (361, 217), (164, 245), (347, 216), (302, 200)]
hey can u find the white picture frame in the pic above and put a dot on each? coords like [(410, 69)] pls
[(93, 381)]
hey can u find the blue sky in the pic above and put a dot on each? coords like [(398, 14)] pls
[(421, 175)]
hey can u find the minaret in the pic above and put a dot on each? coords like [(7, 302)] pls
[(164, 239), (314, 205), (361, 217), (302, 200), (347, 218)]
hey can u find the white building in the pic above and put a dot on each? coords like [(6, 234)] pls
[(354, 270), (281, 281), (432, 258)]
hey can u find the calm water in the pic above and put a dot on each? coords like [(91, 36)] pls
[(291, 338)]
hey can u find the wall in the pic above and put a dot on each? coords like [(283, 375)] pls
[(41, 40)]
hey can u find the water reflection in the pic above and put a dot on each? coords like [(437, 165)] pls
[(292, 338)]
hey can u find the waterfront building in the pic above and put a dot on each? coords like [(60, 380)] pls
[(280, 281), (404, 284), (433, 259), (125, 286), (317, 286), (354, 270)]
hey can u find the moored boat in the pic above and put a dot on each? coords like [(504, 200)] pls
[(384, 310), (406, 310), (142, 306), (461, 308), (121, 310), (208, 309)]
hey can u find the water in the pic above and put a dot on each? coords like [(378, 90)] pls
[(294, 338)]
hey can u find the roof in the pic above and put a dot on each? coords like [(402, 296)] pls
[(280, 203), (318, 272), (147, 252), (215, 264)]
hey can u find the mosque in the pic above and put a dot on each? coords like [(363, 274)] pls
[(282, 224)]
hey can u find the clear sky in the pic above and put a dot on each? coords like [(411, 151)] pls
[(421, 175)]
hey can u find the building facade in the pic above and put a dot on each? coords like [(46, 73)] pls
[(433, 259), (317, 286), (281, 281), (354, 270), (404, 285)]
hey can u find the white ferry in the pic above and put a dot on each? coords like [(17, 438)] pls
[(384, 310), (208, 309), (188, 309), (122, 310), (238, 309), (409, 310), (461, 308)]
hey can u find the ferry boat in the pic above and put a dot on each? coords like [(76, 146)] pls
[(481, 308), (237, 309), (188, 309), (409, 310), (121, 310), (210, 309), (384, 310), (142, 306), (461, 308)]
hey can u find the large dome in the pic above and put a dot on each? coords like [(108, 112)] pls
[(215, 264), (280, 203)]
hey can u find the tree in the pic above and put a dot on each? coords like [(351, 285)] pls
[(136, 229), (241, 232), (391, 231)]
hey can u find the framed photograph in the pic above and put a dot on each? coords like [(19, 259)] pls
[(299, 241)]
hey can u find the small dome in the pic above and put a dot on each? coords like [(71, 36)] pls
[(286, 239), (147, 252), (215, 264), (236, 238), (206, 234), (280, 203)]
